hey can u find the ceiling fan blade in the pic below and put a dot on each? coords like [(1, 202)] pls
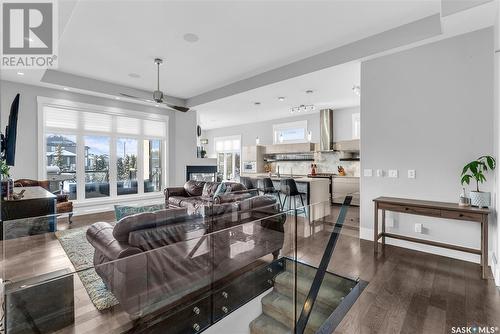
[(178, 108), (137, 98)]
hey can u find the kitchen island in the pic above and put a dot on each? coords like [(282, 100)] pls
[(317, 192)]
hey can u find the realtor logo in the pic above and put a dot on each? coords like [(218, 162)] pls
[(29, 34)]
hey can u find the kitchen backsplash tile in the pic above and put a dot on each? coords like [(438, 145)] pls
[(327, 162)]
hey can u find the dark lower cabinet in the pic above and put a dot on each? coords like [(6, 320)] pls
[(220, 302)]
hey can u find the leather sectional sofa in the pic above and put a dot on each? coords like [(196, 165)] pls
[(152, 260), (199, 196)]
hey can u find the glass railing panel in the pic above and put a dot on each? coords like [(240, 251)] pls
[(147, 271), (328, 249)]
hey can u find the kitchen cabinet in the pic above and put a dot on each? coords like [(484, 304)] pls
[(343, 186), (253, 153), (347, 145), (290, 148)]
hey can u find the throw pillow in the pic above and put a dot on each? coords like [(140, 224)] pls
[(125, 210), (221, 189)]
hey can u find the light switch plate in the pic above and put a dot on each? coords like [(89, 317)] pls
[(380, 173), (411, 173), (368, 172), (392, 173), (418, 228)]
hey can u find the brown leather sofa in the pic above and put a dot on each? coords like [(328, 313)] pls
[(198, 196), (63, 204), (152, 260)]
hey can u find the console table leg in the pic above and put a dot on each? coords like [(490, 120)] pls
[(383, 227), (375, 229), (484, 247)]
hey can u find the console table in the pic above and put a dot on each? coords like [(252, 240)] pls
[(37, 202), (438, 210)]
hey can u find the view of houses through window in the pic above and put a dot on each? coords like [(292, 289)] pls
[(101, 162)]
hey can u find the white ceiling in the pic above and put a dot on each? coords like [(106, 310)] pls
[(107, 40), (331, 87)]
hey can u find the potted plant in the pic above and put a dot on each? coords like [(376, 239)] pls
[(4, 177), (476, 170)]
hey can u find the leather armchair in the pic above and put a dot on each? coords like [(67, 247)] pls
[(63, 204)]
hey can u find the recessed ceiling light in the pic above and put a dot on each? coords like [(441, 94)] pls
[(20, 73), (309, 91), (281, 98), (117, 98), (66, 88), (157, 105), (134, 75), (257, 103), (191, 38)]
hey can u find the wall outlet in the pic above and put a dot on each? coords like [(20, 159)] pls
[(368, 172), (411, 173), (380, 173), (392, 173), (418, 228)]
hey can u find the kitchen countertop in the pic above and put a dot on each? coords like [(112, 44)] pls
[(301, 179)]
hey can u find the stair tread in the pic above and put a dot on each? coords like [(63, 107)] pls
[(329, 295), (280, 307), (264, 324)]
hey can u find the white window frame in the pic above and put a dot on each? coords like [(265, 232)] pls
[(233, 151), (44, 102), (278, 128), (356, 125)]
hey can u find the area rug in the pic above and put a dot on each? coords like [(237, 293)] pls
[(81, 254)]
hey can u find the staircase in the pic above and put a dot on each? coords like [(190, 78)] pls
[(277, 306)]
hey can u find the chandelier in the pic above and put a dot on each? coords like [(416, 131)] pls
[(302, 108)]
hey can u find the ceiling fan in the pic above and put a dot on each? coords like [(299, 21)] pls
[(158, 96)]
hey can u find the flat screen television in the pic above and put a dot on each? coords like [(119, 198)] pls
[(8, 149)]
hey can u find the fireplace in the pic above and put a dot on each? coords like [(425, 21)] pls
[(201, 173)]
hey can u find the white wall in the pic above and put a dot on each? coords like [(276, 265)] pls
[(182, 127), (430, 109), (495, 231), (264, 130)]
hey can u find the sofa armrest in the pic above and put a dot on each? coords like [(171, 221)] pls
[(100, 236), (175, 191), (233, 196)]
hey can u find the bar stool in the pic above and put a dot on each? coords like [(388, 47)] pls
[(268, 189), (247, 182), (289, 189)]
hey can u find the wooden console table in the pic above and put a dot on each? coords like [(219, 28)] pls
[(438, 210)]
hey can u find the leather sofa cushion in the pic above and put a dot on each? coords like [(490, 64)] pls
[(235, 186), (194, 188), (145, 220), (176, 200), (209, 189)]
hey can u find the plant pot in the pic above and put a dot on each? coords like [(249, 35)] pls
[(480, 199)]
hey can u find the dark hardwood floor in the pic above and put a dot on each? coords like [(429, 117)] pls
[(408, 291)]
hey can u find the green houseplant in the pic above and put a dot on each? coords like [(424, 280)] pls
[(476, 170), (4, 177)]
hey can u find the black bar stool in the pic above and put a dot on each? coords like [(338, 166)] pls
[(248, 182), (289, 189), (268, 189)]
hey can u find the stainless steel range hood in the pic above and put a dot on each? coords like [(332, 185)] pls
[(326, 130), (326, 142)]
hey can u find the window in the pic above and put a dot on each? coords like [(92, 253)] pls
[(356, 126), (228, 151), (292, 132), (60, 151), (111, 153)]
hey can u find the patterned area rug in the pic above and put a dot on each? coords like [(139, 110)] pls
[(81, 254)]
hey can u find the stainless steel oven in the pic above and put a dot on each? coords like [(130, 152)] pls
[(249, 167)]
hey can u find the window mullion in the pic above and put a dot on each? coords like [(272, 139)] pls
[(140, 165)]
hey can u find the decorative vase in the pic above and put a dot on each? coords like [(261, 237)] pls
[(480, 199)]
